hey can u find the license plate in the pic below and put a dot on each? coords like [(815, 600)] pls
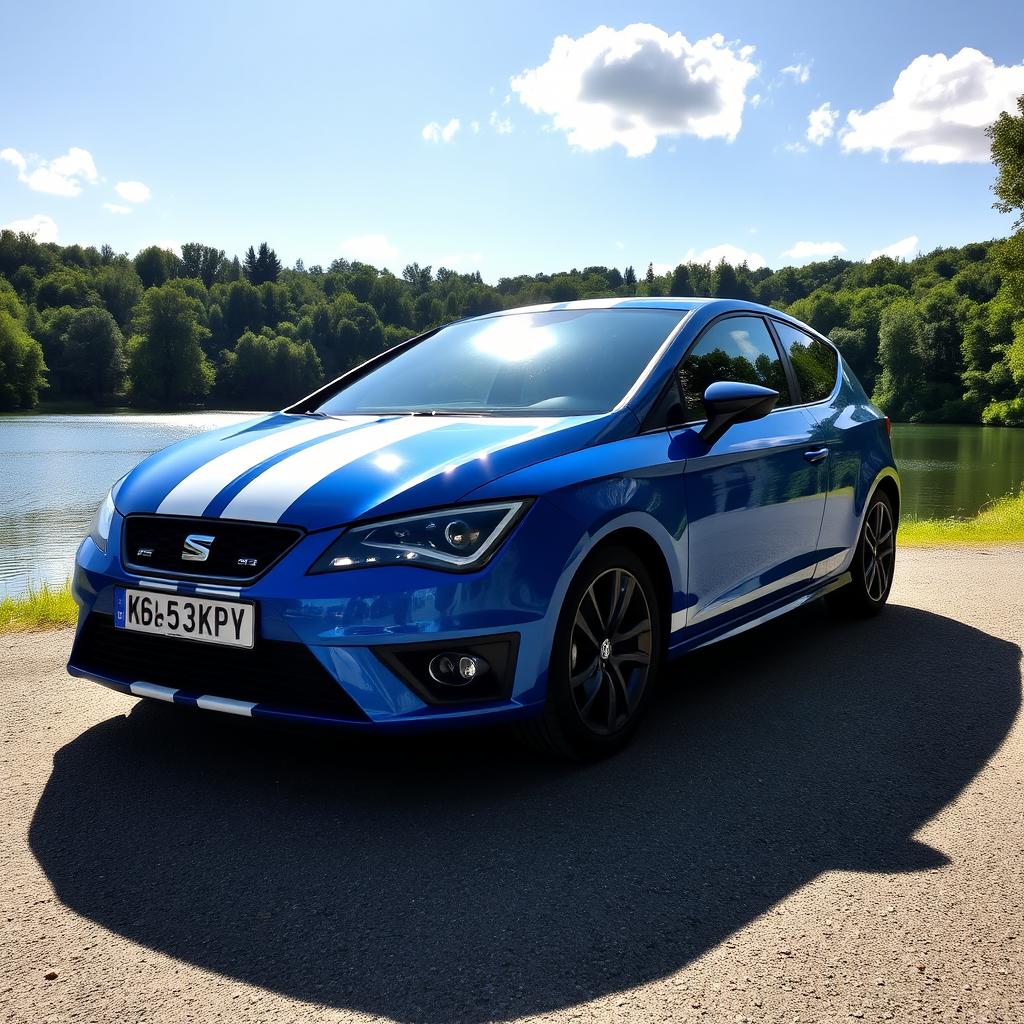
[(230, 623)]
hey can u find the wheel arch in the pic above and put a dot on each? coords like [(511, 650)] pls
[(888, 486), (654, 559)]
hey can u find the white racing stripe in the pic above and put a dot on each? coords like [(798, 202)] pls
[(158, 584), (191, 496), (267, 498), (154, 691), (206, 702), (531, 428), (227, 705)]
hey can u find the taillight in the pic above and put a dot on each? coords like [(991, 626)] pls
[(888, 426)]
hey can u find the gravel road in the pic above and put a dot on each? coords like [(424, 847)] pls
[(821, 821)]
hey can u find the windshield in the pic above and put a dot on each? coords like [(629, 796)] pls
[(563, 362)]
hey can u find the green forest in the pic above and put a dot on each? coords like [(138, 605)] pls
[(939, 338)]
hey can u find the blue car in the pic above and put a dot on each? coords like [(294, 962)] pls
[(514, 518)]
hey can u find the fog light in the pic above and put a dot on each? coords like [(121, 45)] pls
[(457, 669)]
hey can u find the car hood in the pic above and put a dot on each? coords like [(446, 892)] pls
[(321, 472)]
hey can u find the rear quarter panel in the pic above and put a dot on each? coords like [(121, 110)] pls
[(860, 456)]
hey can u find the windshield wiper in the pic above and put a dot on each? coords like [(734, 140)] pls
[(451, 412)]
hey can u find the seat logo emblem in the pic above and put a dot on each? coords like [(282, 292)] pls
[(197, 547)]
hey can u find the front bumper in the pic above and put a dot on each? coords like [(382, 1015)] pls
[(323, 640)]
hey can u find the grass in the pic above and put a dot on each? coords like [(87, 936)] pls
[(42, 607), (999, 522)]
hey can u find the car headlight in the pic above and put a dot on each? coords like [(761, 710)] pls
[(100, 529), (455, 539)]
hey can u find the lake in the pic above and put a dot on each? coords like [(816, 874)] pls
[(57, 468)]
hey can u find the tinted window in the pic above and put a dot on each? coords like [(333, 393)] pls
[(736, 348), (814, 362), (562, 362)]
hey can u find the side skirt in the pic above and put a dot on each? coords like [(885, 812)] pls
[(710, 636)]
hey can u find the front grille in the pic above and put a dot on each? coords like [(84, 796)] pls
[(239, 552), (277, 673)]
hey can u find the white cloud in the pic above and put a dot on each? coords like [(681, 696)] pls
[(900, 250), (801, 72), (132, 191), (41, 225), (727, 252), (811, 250), (116, 208), (939, 109), (475, 127), (502, 125), (436, 132), (61, 176), (821, 123), (374, 249), (795, 147), (733, 254), (632, 86), (755, 100), (15, 159)]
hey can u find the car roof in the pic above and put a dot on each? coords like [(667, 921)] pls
[(682, 305)]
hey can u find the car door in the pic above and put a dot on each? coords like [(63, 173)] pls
[(815, 365), (755, 498)]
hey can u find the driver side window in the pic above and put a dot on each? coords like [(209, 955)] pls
[(737, 348)]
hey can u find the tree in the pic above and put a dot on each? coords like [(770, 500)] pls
[(22, 369), (121, 290), (94, 364), (899, 343), (417, 276), (242, 306), (167, 365), (853, 343), (629, 277), (268, 372), (156, 266), (201, 261), (723, 281), (262, 265), (68, 286), (680, 284), (1007, 135)]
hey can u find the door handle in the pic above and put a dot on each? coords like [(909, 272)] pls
[(816, 455)]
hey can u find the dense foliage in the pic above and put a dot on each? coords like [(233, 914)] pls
[(936, 338)]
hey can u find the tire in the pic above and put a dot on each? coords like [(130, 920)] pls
[(604, 660), (873, 564)]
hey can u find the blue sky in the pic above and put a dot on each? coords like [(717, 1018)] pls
[(328, 129)]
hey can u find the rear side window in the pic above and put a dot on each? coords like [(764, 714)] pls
[(737, 348), (815, 363)]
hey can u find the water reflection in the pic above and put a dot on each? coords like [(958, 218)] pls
[(953, 470)]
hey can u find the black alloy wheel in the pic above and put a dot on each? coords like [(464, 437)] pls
[(604, 660)]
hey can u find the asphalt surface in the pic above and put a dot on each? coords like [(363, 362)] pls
[(820, 821)]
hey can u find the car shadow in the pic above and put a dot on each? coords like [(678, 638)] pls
[(459, 878)]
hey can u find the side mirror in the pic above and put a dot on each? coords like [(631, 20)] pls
[(728, 401)]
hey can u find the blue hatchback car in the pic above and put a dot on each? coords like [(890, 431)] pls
[(514, 518)]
